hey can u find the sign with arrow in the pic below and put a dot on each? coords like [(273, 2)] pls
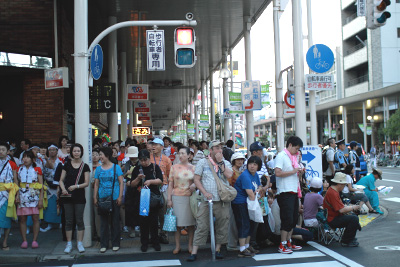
[(251, 95), (312, 160)]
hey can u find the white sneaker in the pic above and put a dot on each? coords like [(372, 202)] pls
[(137, 228), (80, 247), (125, 229), (46, 229), (68, 249)]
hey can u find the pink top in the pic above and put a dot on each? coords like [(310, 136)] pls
[(182, 176)]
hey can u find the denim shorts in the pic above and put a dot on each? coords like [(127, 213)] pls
[(242, 219)]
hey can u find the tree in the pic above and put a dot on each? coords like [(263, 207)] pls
[(217, 127), (393, 126), (265, 140)]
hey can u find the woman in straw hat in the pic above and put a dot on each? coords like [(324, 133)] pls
[(370, 189)]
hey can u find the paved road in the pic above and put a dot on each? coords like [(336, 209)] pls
[(383, 233)]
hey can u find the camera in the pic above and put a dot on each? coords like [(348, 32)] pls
[(189, 16)]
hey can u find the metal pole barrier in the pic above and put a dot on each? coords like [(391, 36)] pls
[(212, 234)]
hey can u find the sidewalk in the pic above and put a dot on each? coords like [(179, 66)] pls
[(51, 246)]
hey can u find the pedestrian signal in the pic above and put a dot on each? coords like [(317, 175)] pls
[(185, 47)]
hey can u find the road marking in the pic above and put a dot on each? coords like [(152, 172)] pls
[(133, 264), (394, 199), (387, 247), (335, 255), (394, 181), (279, 256), (311, 264)]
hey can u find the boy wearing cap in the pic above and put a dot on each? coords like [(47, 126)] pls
[(354, 159), (337, 210)]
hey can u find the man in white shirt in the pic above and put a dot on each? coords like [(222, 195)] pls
[(287, 184), (330, 157)]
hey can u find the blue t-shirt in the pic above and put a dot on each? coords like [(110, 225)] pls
[(106, 180), (243, 182)]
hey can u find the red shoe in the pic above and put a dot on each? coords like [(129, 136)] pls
[(284, 249), (293, 247)]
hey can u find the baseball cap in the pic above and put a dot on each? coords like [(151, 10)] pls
[(215, 143), (157, 141), (316, 182), (256, 146)]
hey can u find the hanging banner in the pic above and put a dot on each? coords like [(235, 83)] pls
[(369, 130), (251, 95), (190, 129), (138, 92), (333, 133), (326, 131), (155, 50), (204, 122), (183, 133), (265, 95), (235, 103), (144, 116), (142, 106)]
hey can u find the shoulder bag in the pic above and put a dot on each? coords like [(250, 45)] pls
[(105, 204), (69, 195), (156, 201), (226, 192)]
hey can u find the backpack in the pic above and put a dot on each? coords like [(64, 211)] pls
[(325, 163)]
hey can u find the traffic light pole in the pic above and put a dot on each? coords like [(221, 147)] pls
[(247, 52)]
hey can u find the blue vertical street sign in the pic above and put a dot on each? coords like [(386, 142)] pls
[(320, 58), (96, 62)]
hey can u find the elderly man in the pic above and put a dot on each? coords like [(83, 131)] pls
[(337, 210), (205, 182)]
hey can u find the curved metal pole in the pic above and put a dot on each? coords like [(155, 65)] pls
[(149, 23)]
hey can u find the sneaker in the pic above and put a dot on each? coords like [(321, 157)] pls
[(253, 250), (80, 247), (143, 248), (293, 247), (35, 244), (102, 250), (284, 249), (163, 239), (115, 249), (46, 229), (192, 257), (137, 228), (125, 229), (350, 244), (157, 247), (68, 249), (245, 254), (218, 255)]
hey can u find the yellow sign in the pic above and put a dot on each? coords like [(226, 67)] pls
[(140, 131)]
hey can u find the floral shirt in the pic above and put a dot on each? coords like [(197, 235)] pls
[(29, 197), (183, 177), (234, 177), (6, 176)]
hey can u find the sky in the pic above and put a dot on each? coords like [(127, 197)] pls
[(326, 29)]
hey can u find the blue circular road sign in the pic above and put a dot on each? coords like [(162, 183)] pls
[(320, 58), (96, 62)]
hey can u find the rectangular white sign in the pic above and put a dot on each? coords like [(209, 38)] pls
[(56, 78), (142, 106), (137, 92), (320, 82), (361, 8), (251, 95), (312, 160), (155, 50)]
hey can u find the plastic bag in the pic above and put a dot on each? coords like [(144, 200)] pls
[(385, 190), (144, 207), (169, 221), (255, 212)]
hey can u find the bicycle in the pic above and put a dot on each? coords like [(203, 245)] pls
[(311, 173), (322, 64)]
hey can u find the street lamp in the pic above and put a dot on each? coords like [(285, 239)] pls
[(224, 74)]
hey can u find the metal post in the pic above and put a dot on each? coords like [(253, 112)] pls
[(329, 123), (207, 111), (344, 126), (81, 65), (124, 102), (280, 135), (300, 116), (212, 106), (270, 135), (365, 126), (247, 52), (232, 117), (130, 108), (203, 106), (212, 234), (196, 122), (311, 93), (226, 100), (55, 34), (113, 78)]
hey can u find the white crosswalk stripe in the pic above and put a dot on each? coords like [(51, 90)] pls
[(133, 264), (310, 264), (280, 256)]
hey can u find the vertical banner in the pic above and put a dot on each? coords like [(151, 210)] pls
[(235, 103), (155, 50), (204, 122), (190, 129), (265, 95), (333, 133)]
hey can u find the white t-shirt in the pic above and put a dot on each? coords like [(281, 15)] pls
[(349, 181), (288, 183), (330, 155)]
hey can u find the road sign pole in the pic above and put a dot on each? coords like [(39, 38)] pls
[(247, 51), (124, 102), (112, 117), (212, 106), (313, 109), (300, 117)]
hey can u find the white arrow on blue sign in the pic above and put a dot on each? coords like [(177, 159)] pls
[(96, 62), (320, 58), (312, 159)]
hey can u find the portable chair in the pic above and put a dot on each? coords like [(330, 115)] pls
[(327, 234)]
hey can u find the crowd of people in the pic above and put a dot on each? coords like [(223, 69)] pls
[(45, 186)]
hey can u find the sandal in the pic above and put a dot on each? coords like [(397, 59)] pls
[(6, 248), (176, 251), (373, 211)]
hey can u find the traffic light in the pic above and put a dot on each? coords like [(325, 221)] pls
[(376, 13), (184, 46)]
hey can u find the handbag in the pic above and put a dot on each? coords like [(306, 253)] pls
[(69, 195), (169, 221), (226, 192), (156, 201), (105, 204), (255, 212)]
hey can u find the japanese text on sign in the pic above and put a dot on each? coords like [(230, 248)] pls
[(138, 91), (155, 50), (319, 82), (140, 131), (251, 95)]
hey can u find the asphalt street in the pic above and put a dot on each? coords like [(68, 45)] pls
[(379, 246)]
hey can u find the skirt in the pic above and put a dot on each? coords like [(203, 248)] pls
[(27, 211), (50, 214), (182, 211), (5, 222)]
